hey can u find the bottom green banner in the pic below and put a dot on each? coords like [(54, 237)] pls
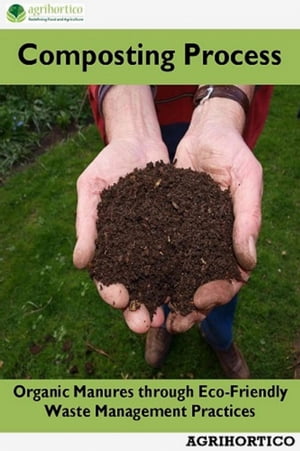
[(149, 405)]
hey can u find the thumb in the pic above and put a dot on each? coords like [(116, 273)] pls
[(86, 218), (83, 252), (247, 213)]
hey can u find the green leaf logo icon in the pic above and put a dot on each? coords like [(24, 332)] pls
[(16, 13)]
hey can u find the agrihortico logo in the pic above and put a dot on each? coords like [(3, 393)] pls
[(16, 13), (46, 12)]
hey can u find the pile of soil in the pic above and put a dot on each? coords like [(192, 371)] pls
[(163, 232)]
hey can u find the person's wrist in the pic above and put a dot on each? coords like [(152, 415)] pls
[(234, 93), (218, 113), (224, 104), (129, 112)]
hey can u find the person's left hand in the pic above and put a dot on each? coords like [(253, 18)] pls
[(117, 159), (217, 148)]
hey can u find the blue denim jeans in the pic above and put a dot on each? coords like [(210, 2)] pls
[(217, 328)]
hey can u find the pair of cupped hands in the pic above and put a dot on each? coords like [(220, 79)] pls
[(219, 151)]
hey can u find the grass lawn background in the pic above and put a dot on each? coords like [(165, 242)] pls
[(52, 322)]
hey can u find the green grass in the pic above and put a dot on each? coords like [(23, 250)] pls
[(50, 313)]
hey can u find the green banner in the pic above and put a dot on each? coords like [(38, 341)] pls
[(150, 56), (149, 406)]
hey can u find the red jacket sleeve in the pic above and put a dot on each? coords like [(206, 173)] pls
[(93, 91)]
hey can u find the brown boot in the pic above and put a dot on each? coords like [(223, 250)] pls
[(158, 342), (233, 363)]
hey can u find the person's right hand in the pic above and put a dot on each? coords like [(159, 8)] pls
[(117, 159)]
